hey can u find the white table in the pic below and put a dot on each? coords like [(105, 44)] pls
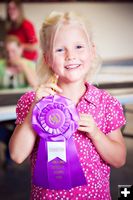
[(7, 113)]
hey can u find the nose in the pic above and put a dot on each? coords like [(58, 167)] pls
[(70, 55)]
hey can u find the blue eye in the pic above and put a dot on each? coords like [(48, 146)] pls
[(60, 50), (79, 46)]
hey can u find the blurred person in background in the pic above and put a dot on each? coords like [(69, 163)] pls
[(21, 27), (16, 71)]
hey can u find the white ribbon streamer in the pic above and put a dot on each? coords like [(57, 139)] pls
[(56, 149)]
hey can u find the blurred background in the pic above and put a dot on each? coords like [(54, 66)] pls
[(111, 22)]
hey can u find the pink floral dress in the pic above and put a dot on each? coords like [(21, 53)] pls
[(108, 114)]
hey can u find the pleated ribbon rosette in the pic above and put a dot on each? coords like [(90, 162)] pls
[(55, 119)]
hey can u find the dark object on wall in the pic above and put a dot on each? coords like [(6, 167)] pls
[(2, 37)]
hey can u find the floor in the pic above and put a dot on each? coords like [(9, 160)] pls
[(15, 180)]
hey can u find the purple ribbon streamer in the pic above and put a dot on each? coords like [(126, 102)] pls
[(71, 173)]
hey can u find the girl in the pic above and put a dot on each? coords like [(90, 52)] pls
[(19, 26), (69, 54)]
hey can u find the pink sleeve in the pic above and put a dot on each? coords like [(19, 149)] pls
[(23, 106), (114, 116)]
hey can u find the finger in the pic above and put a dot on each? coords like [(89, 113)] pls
[(50, 91), (84, 118), (53, 79), (83, 122), (83, 129), (54, 87), (84, 115), (45, 92), (51, 85), (88, 118)]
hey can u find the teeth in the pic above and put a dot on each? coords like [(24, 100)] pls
[(72, 66)]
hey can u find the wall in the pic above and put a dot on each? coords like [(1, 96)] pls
[(111, 23)]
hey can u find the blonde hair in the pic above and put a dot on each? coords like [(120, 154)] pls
[(49, 29)]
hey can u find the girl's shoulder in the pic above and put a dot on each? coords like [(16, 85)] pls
[(107, 100), (108, 107), (99, 95), (103, 94), (103, 99), (23, 106), (27, 98)]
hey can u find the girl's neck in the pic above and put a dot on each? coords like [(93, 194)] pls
[(73, 91)]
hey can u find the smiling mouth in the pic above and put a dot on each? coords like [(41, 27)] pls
[(72, 66)]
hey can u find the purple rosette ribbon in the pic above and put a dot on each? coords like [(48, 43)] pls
[(54, 119)]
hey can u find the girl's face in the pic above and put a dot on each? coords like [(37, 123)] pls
[(72, 53), (13, 11)]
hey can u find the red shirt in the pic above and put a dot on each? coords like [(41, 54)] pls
[(26, 33)]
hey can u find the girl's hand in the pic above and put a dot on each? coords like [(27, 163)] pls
[(46, 90), (87, 124)]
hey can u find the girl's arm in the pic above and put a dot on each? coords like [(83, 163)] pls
[(22, 140), (24, 137), (111, 147)]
